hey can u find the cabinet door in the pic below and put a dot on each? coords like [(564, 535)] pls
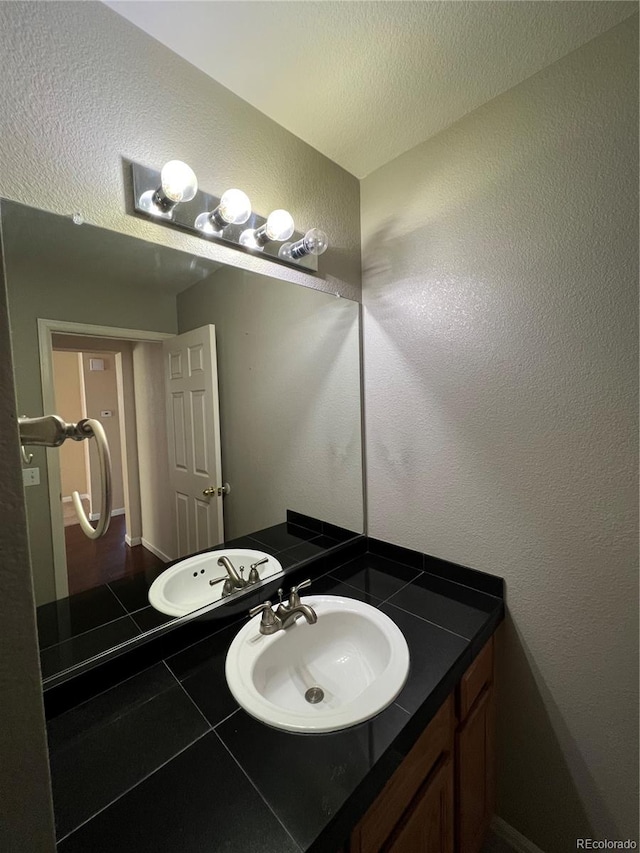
[(428, 825), (475, 775)]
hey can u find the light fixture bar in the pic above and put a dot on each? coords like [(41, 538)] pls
[(183, 216)]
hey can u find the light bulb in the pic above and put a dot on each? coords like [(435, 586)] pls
[(314, 242), (179, 182), (248, 240), (235, 207), (279, 225)]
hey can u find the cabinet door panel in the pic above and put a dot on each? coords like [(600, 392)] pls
[(475, 772), (379, 822), (428, 826)]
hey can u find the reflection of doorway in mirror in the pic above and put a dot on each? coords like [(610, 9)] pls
[(91, 383)]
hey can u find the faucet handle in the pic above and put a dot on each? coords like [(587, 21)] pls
[(269, 623), (294, 598)]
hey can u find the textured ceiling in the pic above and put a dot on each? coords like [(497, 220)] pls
[(362, 82)]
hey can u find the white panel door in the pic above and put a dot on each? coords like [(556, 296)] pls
[(193, 430)]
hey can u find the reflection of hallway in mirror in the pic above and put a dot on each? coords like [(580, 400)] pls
[(91, 563), (89, 378)]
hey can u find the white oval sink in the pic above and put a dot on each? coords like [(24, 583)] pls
[(354, 653), (186, 587)]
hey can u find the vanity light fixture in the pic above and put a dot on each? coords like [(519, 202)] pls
[(314, 242), (178, 183), (278, 227), (234, 209), (172, 198)]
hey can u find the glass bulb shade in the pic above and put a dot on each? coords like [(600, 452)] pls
[(315, 241), (279, 225), (235, 207), (248, 240), (203, 223), (179, 182), (284, 252), (147, 203)]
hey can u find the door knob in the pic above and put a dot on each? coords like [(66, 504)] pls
[(224, 489)]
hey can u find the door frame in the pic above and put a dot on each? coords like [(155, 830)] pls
[(46, 328)]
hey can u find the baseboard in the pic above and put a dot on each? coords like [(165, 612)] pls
[(516, 840), (94, 516), (131, 542), (156, 551), (68, 499)]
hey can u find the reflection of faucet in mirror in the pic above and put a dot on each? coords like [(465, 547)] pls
[(236, 581)]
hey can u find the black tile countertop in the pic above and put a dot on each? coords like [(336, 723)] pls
[(167, 761)]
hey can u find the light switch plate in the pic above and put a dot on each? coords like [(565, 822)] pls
[(31, 476)]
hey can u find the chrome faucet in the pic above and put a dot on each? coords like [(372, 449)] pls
[(286, 614), (236, 581)]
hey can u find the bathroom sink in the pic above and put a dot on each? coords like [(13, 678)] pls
[(186, 586), (354, 654)]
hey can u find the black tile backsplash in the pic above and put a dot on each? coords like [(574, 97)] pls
[(482, 581), (395, 553), (283, 536), (304, 521), (77, 649)]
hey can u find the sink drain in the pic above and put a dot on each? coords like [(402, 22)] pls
[(314, 695)]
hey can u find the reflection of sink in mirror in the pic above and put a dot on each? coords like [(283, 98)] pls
[(340, 671), (197, 581)]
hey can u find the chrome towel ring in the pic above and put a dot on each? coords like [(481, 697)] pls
[(52, 431)]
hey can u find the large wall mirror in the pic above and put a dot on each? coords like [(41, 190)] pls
[(231, 403)]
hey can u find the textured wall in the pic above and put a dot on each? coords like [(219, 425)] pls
[(289, 385), (83, 88), (500, 275), (26, 812)]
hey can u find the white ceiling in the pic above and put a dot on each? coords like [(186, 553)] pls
[(363, 81)]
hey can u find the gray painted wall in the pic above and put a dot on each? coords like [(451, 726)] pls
[(289, 386), (500, 292)]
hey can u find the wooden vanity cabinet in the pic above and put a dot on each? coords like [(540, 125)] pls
[(441, 798), (475, 753)]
